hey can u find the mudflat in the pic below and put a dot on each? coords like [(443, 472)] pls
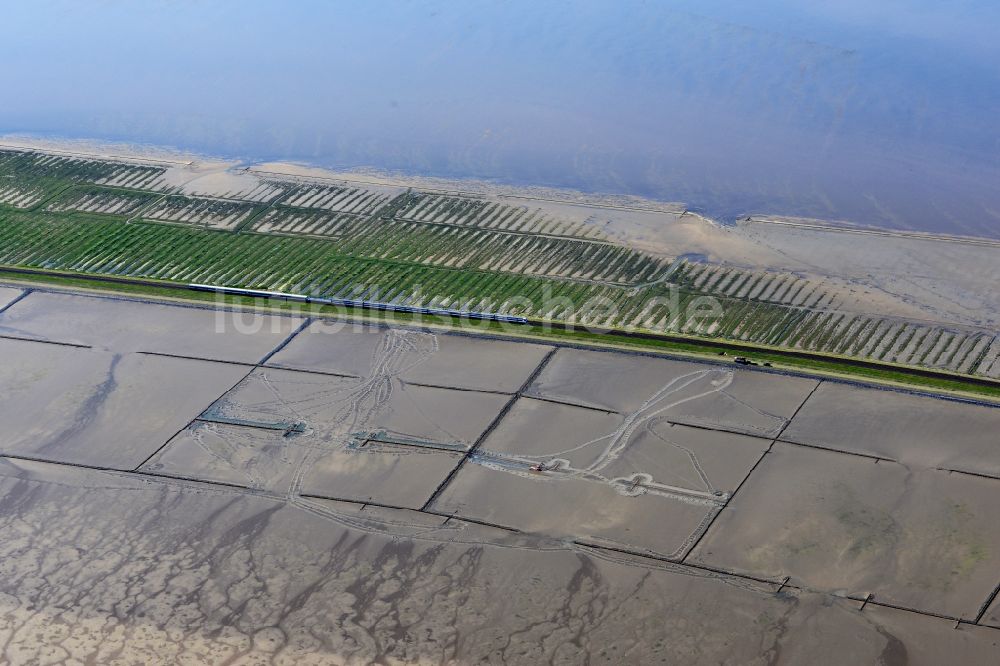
[(396, 493)]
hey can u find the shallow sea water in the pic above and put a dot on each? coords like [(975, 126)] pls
[(879, 113)]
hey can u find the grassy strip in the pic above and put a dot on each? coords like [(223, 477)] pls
[(693, 348), (426, 248)]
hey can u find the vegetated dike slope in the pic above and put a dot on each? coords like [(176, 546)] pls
[(338, 238)]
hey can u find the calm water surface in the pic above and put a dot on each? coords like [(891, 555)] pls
[(880, 112)]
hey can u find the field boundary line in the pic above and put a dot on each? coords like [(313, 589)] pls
[(306, 322), (711, 522), (490, 428), (20, 297), (97, 156), (422, 223), (829, 449), (204, 359), (965, 472), (45, 342), (986, 605), (728, 431), (797, 410), (382, 505), (456, 388), (187, 425), (747, 476), (567, 403)]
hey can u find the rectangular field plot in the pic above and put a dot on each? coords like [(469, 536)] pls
[(329, 411), (913, 430), (209, 213), (837, 522), (541, 431), (578, 508), (630, 454), (413, 356), (121, 325), (634, 483), (257, 458), (96, 408), (715, 396), (350, 438), (404, 476), (300, 463)]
